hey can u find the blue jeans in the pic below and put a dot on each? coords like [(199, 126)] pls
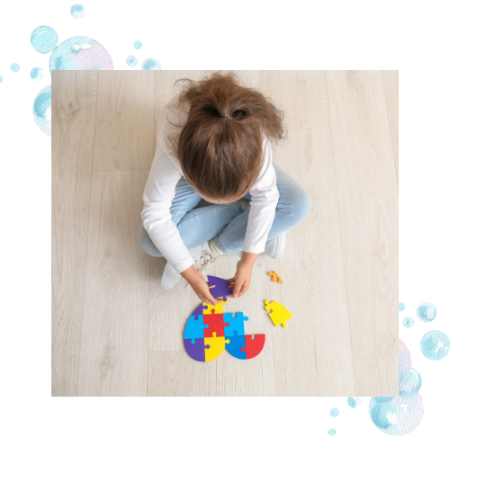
[(227, 223)]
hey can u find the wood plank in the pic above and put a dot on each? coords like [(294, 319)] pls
[(114, 352), (125, 121), (73, 117), (366, 188), (176, 374), (391, 87)]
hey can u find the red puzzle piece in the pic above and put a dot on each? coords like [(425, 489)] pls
[(215, 324), (253, 346)]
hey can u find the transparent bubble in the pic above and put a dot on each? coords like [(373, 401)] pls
[(80, 52), (435, 345), (138, 45), (399, 415), (36, 74), (132, 61), (151, 63), (426, 312), (334, 412), (353, 402), (44, 39), (77, 11), (1, 79), (15, 67), (404, 358), (41, 109), (401, 306), (332, 432), (409, 382), (408, 322)]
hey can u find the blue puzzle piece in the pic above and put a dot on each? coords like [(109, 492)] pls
[(235, 324), (195, 328), (199, 311), (235, 344)]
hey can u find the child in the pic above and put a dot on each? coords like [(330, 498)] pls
[(213, 143)]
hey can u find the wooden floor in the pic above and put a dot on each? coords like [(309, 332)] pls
[(115, 332)]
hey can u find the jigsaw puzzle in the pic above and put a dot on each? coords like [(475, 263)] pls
[(218, 287), (209, 331), (279, 313), (275, 277)]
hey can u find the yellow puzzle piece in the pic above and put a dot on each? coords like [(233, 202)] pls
[(215, 346), (279, 313), (219, 308), (275, 277)]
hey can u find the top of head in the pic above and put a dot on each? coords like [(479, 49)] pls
[(220, 146)]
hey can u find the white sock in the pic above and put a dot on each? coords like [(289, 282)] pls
[(216, 251)]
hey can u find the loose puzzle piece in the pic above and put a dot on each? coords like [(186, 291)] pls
[(195, 348), (219, 308), (195, 328), (279, 313), (200, 310), (220, 289), (236, 345), (234, 323), (254, 345), (274, 276), (214, 323), (215, 345)]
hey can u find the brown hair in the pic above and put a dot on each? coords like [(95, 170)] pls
[(220, 144)]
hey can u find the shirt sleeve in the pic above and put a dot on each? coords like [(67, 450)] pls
[(156, 217), (264, 199)]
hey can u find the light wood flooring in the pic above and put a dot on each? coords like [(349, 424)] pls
[(115, 332)]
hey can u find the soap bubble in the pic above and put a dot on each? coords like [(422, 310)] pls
[(353, 402), (332, 432), (41, 109), (408, 322), (409, 382), (334, 412), (399, 415), (44, 39), (1, 79), (15, 67), (435, 345), (80, 52), (132, 61), (138, 45), (426, 312), (151, 63), (77, 11), (36, 74), (401, 306)]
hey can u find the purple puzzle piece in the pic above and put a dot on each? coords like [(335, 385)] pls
[(219, 290), (196, 348), (199, 311)]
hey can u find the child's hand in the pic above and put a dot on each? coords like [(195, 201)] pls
[(243, 275), (200, 287)]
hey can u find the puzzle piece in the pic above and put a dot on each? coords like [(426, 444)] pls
[(196, 348), (275, 277), (214, 346), (214, 323), (219, 308), (236, 323), (219, 290), (199, 310), (236, 345), (254, 345), (279, 313), (195, 328)]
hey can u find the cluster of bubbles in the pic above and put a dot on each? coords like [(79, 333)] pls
[(78, 52)]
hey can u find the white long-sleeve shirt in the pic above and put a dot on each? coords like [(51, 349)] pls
[(160, 190)]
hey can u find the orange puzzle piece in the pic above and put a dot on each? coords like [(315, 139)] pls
[(274, 277)]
